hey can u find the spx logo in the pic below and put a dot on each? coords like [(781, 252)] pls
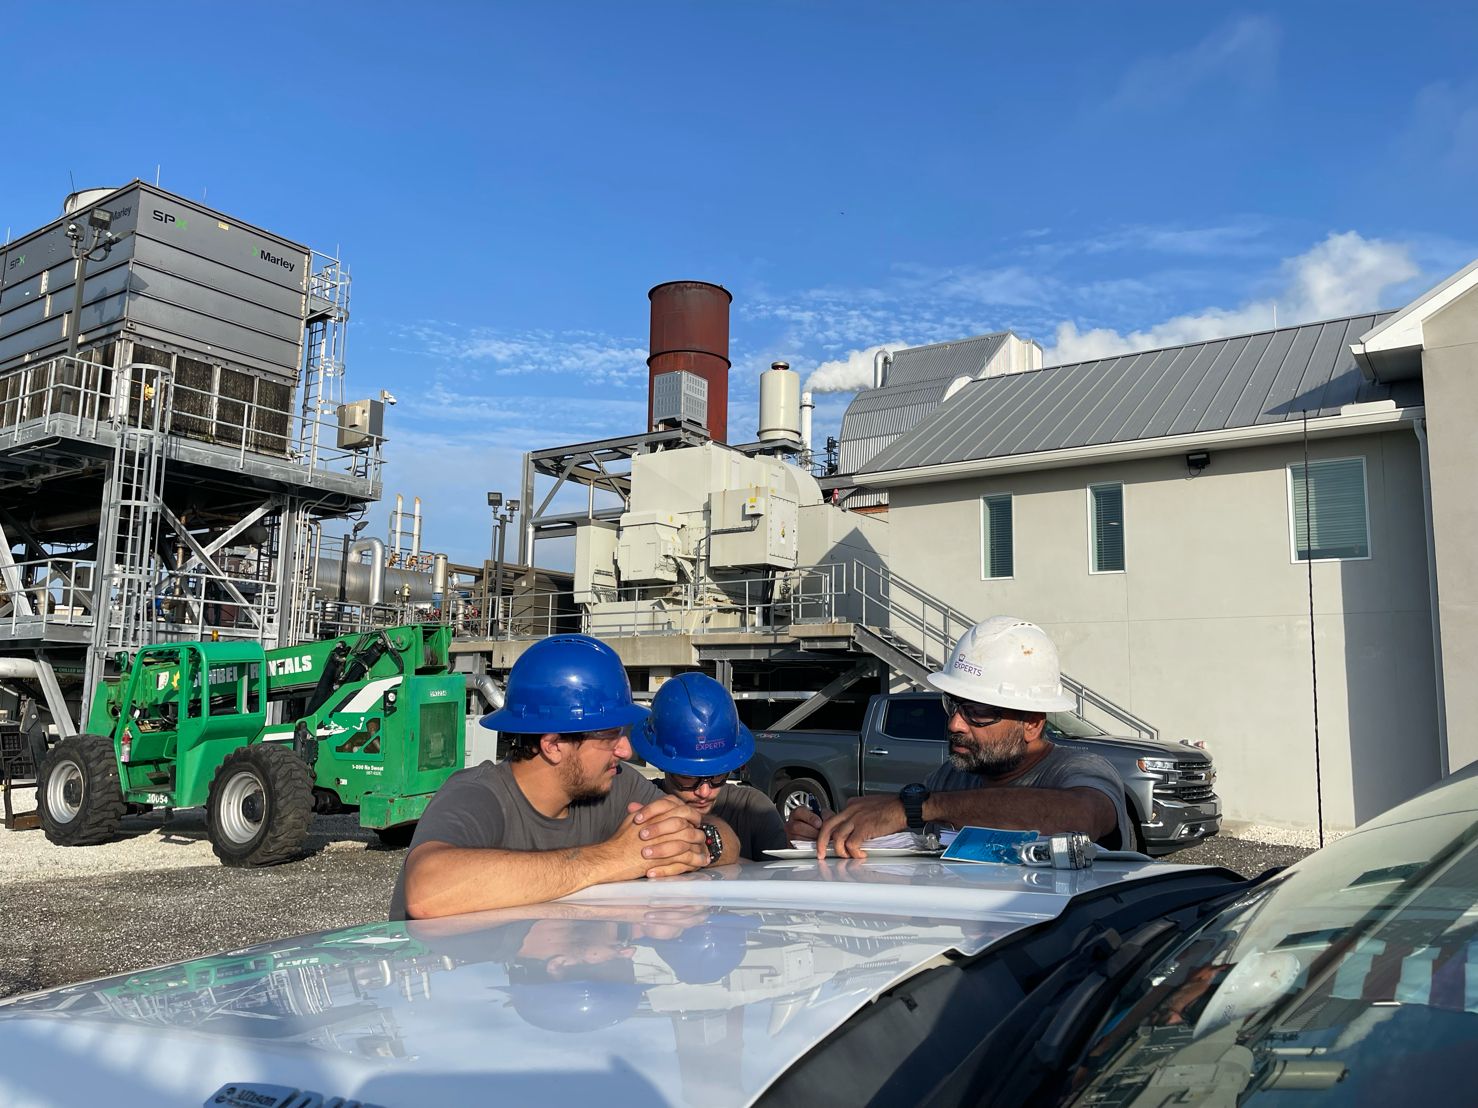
[(166, 217), (18, 260)]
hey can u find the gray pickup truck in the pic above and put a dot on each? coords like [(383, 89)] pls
[(1169, 787)]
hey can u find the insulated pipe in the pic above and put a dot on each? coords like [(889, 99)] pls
[(376, 568), (416, 529), (23, 668), (414, 586), (807, 407), (490, 691), (397, 519)]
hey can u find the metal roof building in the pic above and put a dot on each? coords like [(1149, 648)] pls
[(915, 382), (1179, 392)]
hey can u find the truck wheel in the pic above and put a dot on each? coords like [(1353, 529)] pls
[(260, 806), (78, 792), (798, 793), (396, 838)]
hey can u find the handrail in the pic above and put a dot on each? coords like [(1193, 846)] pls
[(197, 604), (936, 636), (762, 605), (75, 396)]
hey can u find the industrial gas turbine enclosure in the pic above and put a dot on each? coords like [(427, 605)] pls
[(179, 276)]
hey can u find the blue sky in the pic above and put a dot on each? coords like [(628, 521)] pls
[(507, 181)]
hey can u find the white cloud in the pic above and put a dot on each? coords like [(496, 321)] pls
[(1344, 274), (1241, 54), (855, 371)]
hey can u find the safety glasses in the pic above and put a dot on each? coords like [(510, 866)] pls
[(683, 783), (976, 715), (610, 738)]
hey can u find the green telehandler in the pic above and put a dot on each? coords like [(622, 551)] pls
[(372, 722)]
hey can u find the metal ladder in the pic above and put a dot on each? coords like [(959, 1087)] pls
[(913, 632), (128, 570), (323, 353)]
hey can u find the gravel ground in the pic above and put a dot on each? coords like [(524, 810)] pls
[(158, 894)]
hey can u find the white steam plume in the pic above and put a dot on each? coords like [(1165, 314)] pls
[(849, 373), (1342, 275)]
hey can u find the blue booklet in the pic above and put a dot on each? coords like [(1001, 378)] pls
[(988, 844)]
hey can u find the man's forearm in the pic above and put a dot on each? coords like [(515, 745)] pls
[(1047, 810), (444, 880)]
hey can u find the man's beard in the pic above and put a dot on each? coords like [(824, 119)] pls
[(993, 759), (582, 789)]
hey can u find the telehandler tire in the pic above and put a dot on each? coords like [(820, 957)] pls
[(260, 806), (78, 791)]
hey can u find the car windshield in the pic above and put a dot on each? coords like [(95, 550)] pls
[(1074, 726), (1353, 974)]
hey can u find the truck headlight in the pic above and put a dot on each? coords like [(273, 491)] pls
[(1157, 765)]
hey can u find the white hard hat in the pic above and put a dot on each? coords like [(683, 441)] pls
[(1007, 663)]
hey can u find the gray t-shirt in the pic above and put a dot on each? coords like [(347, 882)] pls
[(1060, 769), (754, 819), (484, 807)]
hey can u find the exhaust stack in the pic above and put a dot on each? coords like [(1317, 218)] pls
[(690, 331)]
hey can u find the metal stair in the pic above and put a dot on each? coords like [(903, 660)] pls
[(913, 632), (894, 651)]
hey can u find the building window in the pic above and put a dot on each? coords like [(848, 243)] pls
[(1328, 514), (1106, 528), (997, 550)]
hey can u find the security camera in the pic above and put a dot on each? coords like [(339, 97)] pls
[(387, 396)]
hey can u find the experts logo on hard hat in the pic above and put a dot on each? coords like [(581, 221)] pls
[(968, 667)]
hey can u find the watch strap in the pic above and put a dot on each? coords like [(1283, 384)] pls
[(715, 842)]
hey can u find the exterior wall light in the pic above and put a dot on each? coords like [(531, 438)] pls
[(1196, 461)]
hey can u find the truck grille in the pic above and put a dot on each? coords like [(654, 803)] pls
[(1194, 793), (1194, 782)]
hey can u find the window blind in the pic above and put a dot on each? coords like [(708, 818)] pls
[(997, 547), (1328, 509), (1107, 509)]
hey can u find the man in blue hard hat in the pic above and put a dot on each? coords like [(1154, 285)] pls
[(558, 814), (695, 738)]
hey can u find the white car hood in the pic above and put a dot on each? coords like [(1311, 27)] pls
[(696, 991)]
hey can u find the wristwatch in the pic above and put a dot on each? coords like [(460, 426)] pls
[(714, 841), (913, 797)]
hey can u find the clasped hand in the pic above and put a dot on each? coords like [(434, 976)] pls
[(660, 839)]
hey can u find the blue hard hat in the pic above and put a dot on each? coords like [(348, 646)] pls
[(566, 683), (693, 729), (709, 952), (576, 1006)]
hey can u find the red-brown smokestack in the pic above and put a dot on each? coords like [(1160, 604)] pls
[(690, 330)]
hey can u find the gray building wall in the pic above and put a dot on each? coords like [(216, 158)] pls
[(1206, 633), (1450, 380)]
